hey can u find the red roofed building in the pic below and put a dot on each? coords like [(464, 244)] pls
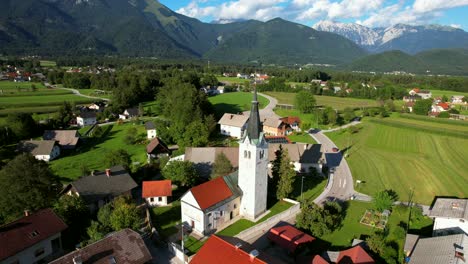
[(319, 260), (289, 237), (445, 106), (293, 121), (354, 255), (217, 250), (157, 192), (211, 205), (32, 238)]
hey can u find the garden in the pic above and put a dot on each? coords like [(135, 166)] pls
[(375, 219)]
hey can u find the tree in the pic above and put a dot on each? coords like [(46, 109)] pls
[(389, 105), (286, 176), (222, 166), (209, 80), (275, 172), (422, 107), (104, 215), (125, 214), (319, 220), (131, 136), (26, 183), (65, 114), (444, 98), (94, 232), (118, 157), (22, 125), (196, 135), (181, 172), (348, 114), (376, 242), (74, 212), (305, 101), (384, 200), (332, 116)]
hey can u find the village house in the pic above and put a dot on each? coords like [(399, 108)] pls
[(440, 107), (424, 94), (157, 193), (217, 203), (34, 238), (233, 125), (124, 246), (86, 119), (150, 130), (102, 187), (293, 121), (457, 99), (451, 249), (409, 106), (204, 158), (303, 156), (450, 216), (67, 139), (230, 250), (129, 113), (97, 106), (276, 127), (289, 237), (45, 150), (157, 149)]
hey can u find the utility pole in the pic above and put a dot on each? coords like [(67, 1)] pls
[(302, 189)]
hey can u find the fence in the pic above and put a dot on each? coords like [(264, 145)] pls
[(263, 227)]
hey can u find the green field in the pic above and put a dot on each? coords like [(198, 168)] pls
[(93, 92), (336, 102), (436, 93), (301, 137), (404, 155), (46, 63), (232, 80), (92, 153), (235, 102), (49, 100)]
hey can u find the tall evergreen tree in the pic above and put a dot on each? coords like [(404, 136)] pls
[(286, 176)]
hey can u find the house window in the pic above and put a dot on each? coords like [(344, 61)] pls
[(249, 154), (39, 252), (235, 206), (221, 213), (159, 199), (151, 199), (245, 153), (209, 214), (462, 220)]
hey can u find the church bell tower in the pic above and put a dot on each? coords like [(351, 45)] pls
[(253, 166)]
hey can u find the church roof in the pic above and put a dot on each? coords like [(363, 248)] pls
[(253, 127), (212, 192)]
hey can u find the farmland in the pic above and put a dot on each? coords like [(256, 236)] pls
[(404, 154), (92, 153), (336, 102), (436, 93), (235, 102)]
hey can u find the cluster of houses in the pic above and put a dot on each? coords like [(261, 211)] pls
[(18, 74), (91, 70), (438, 105)]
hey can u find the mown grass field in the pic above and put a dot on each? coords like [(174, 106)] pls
[(339, 103), (92, 153), (415, 155), (93, 92), (46, 63), (301, 137), (41, 100), (436, 93), (235, 102), (231, 80)]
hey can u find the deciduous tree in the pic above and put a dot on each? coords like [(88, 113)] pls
[(222, 166), (384, 199), (305, 101), (118, 157), (181, 172), (319, 220), (286, 176)]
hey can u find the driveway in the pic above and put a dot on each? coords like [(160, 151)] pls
[(267, 112)]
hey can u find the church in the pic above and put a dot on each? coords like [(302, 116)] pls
[(221, 201)]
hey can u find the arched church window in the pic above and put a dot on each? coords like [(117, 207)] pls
[(262, 153), (249, 154), (245, 153)]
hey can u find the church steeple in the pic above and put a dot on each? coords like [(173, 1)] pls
[(253, 127)]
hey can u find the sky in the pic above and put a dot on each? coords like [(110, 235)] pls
[(371, 13)]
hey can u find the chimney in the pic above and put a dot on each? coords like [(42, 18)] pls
[(108, 173), (253, 254), (26, 212)]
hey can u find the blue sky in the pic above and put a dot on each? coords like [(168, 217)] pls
[(372, 13)]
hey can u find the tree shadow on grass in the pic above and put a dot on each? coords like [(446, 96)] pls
[(222, 108)]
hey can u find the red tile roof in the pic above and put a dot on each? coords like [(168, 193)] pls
[(216, 250), (445, 106), (319, 260), (354, 255), (416, 90), (291, 119), (27, 231), (157, 188), (289, 237), (211, 192)]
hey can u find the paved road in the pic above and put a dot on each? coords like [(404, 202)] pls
[(342, 127), (340, 185), (267, 112), (76, 92)]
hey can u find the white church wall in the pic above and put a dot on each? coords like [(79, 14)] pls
[(192, 215), (220, 217)]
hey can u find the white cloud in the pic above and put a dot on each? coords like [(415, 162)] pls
[(456, 25), (422, 6)]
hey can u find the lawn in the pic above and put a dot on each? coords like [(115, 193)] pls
[(32, 110), (231, 80), (46, 63), (436, 93), (193, 245), (301, 137), (305, 118), (243, 224), (92, 153), (351, 228), (403, 154), (165, 218), (312, 188), (9, 85), (49, 100), (95, 93), (235, 102), (336, 102)]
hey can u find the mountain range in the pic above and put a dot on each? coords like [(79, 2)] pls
[(148, 28), (407, 38)]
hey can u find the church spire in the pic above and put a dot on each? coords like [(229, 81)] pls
[(253, 127)]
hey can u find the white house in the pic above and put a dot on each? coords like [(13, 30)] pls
[(86, 119), (424, 94), (150, 130), (45, 150), (97, 106), (34, 238), (450, 216), (303, 156), (157, 193), (216, 203), (129, 113), (233, 125), (457, 99), (440, 107)]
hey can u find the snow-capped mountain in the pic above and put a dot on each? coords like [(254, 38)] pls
[(361, 35), (407, 38)]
